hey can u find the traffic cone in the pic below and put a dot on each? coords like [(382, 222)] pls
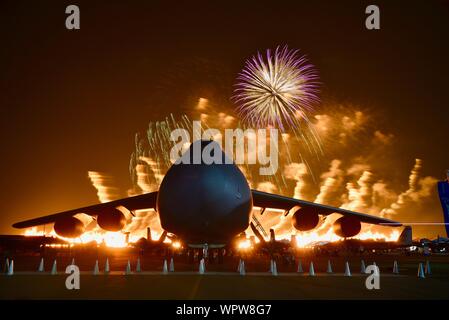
[(427, 269), (376, 270), (106, 266), (271, 266), (347, 270), (164, 267), (275, 269), (54, 268), (96, 269), (128, 268), (202, 267), (311, 269), (41, 266), (138, 268), (329, 267), (362, 267), (10, 268), (172, 265), (299, 270), (242, 268), (395, 267), (421, 271), (240, 265)]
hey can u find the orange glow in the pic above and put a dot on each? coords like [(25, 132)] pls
[(244, 245), (303, 240), (307, 239), (109, 239)]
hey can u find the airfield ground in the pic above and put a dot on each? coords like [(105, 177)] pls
[(222, 281)]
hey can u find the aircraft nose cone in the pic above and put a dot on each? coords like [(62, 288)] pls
[(208, 201)]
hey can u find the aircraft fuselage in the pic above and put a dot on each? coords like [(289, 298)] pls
[(204, 203)]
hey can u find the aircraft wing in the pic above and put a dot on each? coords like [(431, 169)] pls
[(275, 201), (143, 201)]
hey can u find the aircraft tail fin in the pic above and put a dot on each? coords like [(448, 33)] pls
[(406, 237), (162, 237), (443, 192)]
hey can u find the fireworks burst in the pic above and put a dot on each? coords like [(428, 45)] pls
[(277, 89)]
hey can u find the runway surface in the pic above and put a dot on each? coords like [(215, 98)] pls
[(221, 286), (222, 281)]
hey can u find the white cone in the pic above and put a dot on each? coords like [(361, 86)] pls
[(7, 265), (311, 269), (138, 268), (362, 267), (275, 269), (96, 269), (329, 267), (164, 267), (106, 266), (395, 267), (271, 266), (376, 271), (421, 271), (172, 265), (54, 269), (10, 268), (347, 270), (41, 266), (427, 269), (242, 268), (299, 270), (128, 268), (202, 267)]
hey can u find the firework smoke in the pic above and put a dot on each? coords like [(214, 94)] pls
[(103, 183), (355, 178)]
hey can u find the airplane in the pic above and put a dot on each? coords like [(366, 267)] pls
[(150, 245), (205, 205), (357, 245), (13, 243), (443, 193), (440, 244), (272, 246)]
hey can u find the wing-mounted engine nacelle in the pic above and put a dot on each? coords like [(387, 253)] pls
[(347, 226), (111, 220), (305, 219), (69, 227)]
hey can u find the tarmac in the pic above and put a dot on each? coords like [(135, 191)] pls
[(222, 281), (221, 286)]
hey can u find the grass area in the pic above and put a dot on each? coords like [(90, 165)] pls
[(222, 280), (218, 286)]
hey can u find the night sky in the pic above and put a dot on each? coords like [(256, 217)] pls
[(71, 101)]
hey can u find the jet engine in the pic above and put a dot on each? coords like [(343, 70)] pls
[(347, 226), (305, 219), (69, 227), (113, 220)]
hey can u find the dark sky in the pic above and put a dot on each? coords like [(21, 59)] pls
[(71, 101)]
